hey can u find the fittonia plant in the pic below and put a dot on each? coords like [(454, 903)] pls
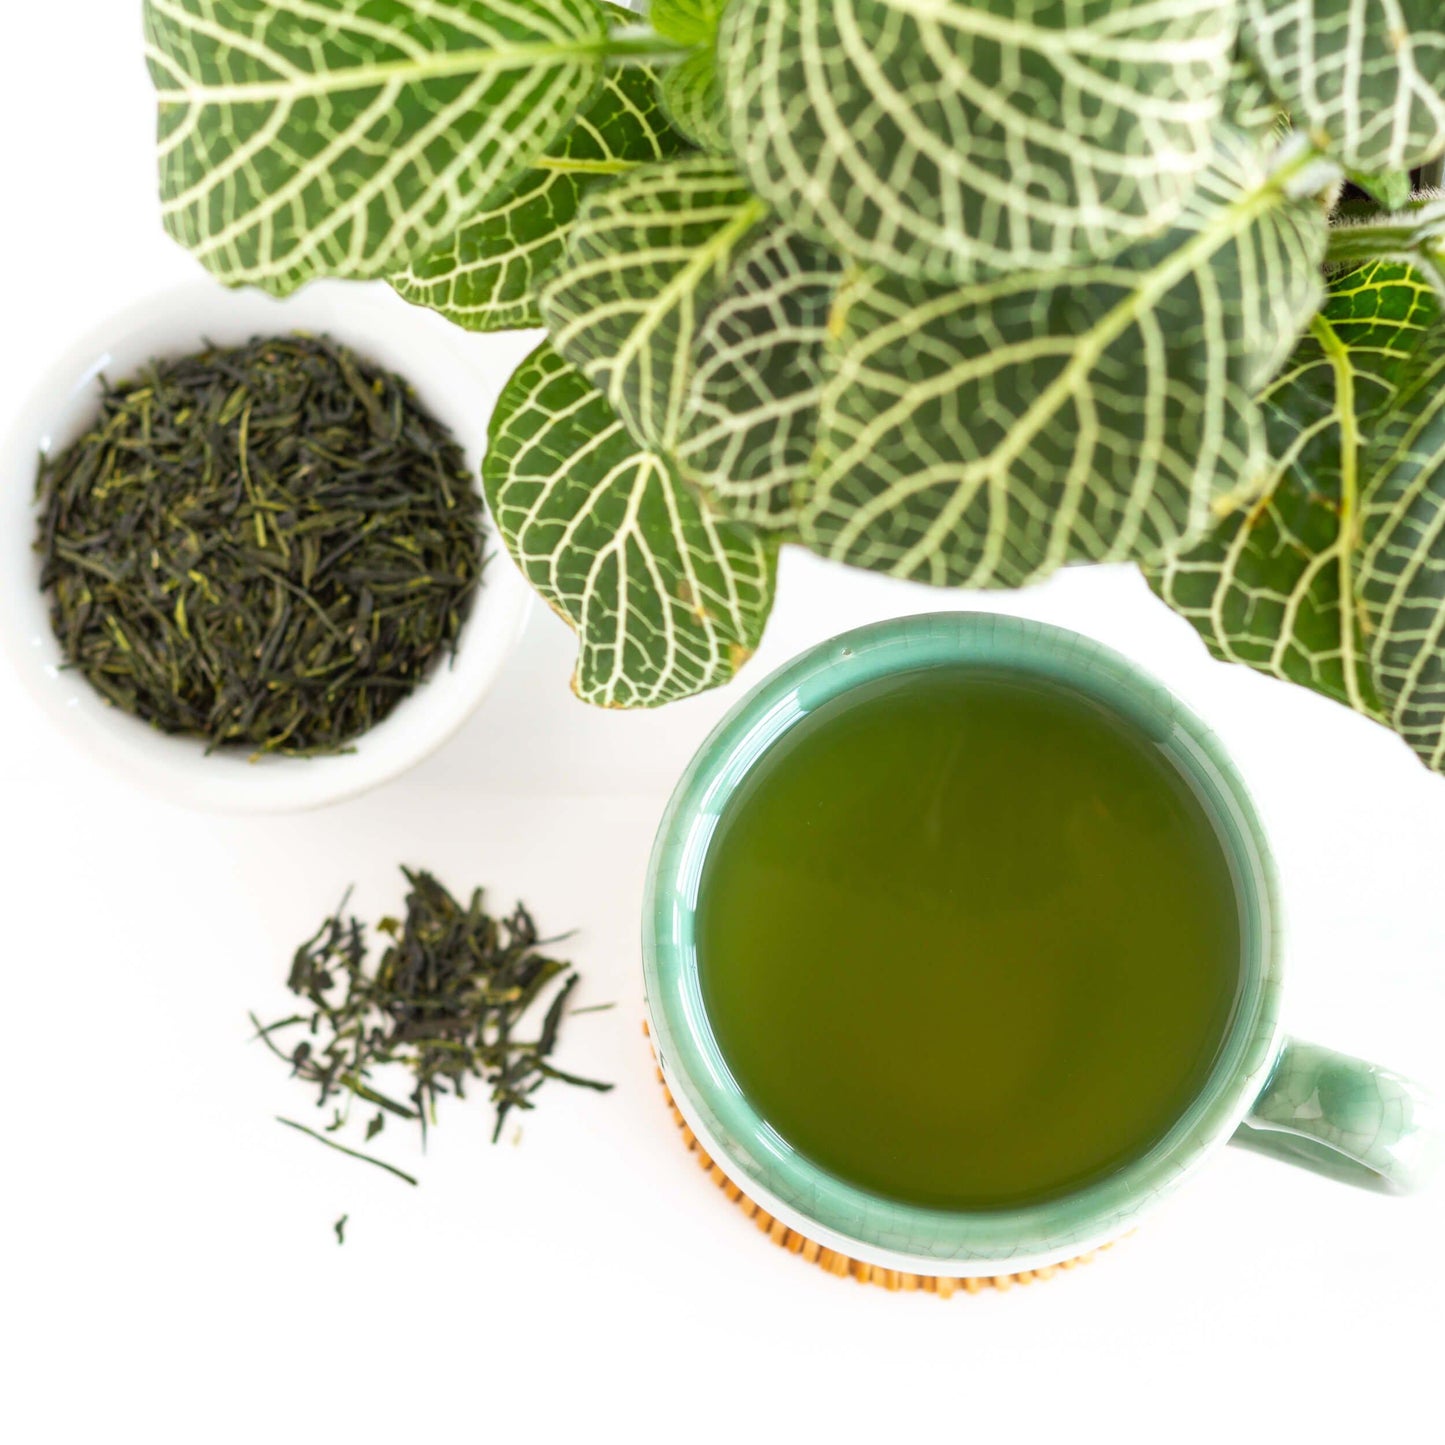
[(963, 291)]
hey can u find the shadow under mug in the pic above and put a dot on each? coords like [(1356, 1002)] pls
[(1339, 1116)]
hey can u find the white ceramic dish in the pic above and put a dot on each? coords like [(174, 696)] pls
[(379, 326)]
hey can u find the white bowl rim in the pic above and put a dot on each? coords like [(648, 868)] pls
[(414, 343)]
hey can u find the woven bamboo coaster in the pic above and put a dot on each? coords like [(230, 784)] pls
[(843, 1265)]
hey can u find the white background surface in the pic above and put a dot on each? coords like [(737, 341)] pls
[(167, 1267)]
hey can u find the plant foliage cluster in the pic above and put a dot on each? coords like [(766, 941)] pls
[(963, 291)]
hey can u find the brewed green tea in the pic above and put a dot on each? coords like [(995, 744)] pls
[(968, 939)]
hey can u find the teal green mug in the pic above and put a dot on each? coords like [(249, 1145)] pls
[(1336, 1115)]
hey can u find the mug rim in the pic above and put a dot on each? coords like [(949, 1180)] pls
[(804, 1194)]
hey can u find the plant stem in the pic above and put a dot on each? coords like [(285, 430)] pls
[(1352, 624), (1415, 235), (641, 45)]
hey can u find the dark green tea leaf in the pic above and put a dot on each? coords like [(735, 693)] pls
[(265, 547), (441, 1008), (342, 1149)]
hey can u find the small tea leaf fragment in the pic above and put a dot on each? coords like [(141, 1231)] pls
[(342, 1149)]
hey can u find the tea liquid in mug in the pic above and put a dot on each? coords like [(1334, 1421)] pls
[(968, 939)]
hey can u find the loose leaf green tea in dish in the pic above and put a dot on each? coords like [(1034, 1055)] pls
[(443, 1008), (968, 940), (268, 546)]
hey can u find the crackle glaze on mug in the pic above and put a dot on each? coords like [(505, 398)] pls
[(1340, 1116)]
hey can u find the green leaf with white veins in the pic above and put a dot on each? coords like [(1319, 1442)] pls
[(1391, 189), (1277, 258), (666, 599), (1402, 569), (985, 435), (645, 257), (1250, 105), (693, 99), (342, 137), (690, 89), (1415, 234), (1365, 78), (486, 275), (749, 429), (690, 22), (1273, 586), (938, 138)]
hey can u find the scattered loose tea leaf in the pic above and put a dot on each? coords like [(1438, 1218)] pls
[(443, 1006), (268, 546), (340, 1228), (342, 1149)]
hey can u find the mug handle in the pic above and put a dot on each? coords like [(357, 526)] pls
[(1345, 1119)]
